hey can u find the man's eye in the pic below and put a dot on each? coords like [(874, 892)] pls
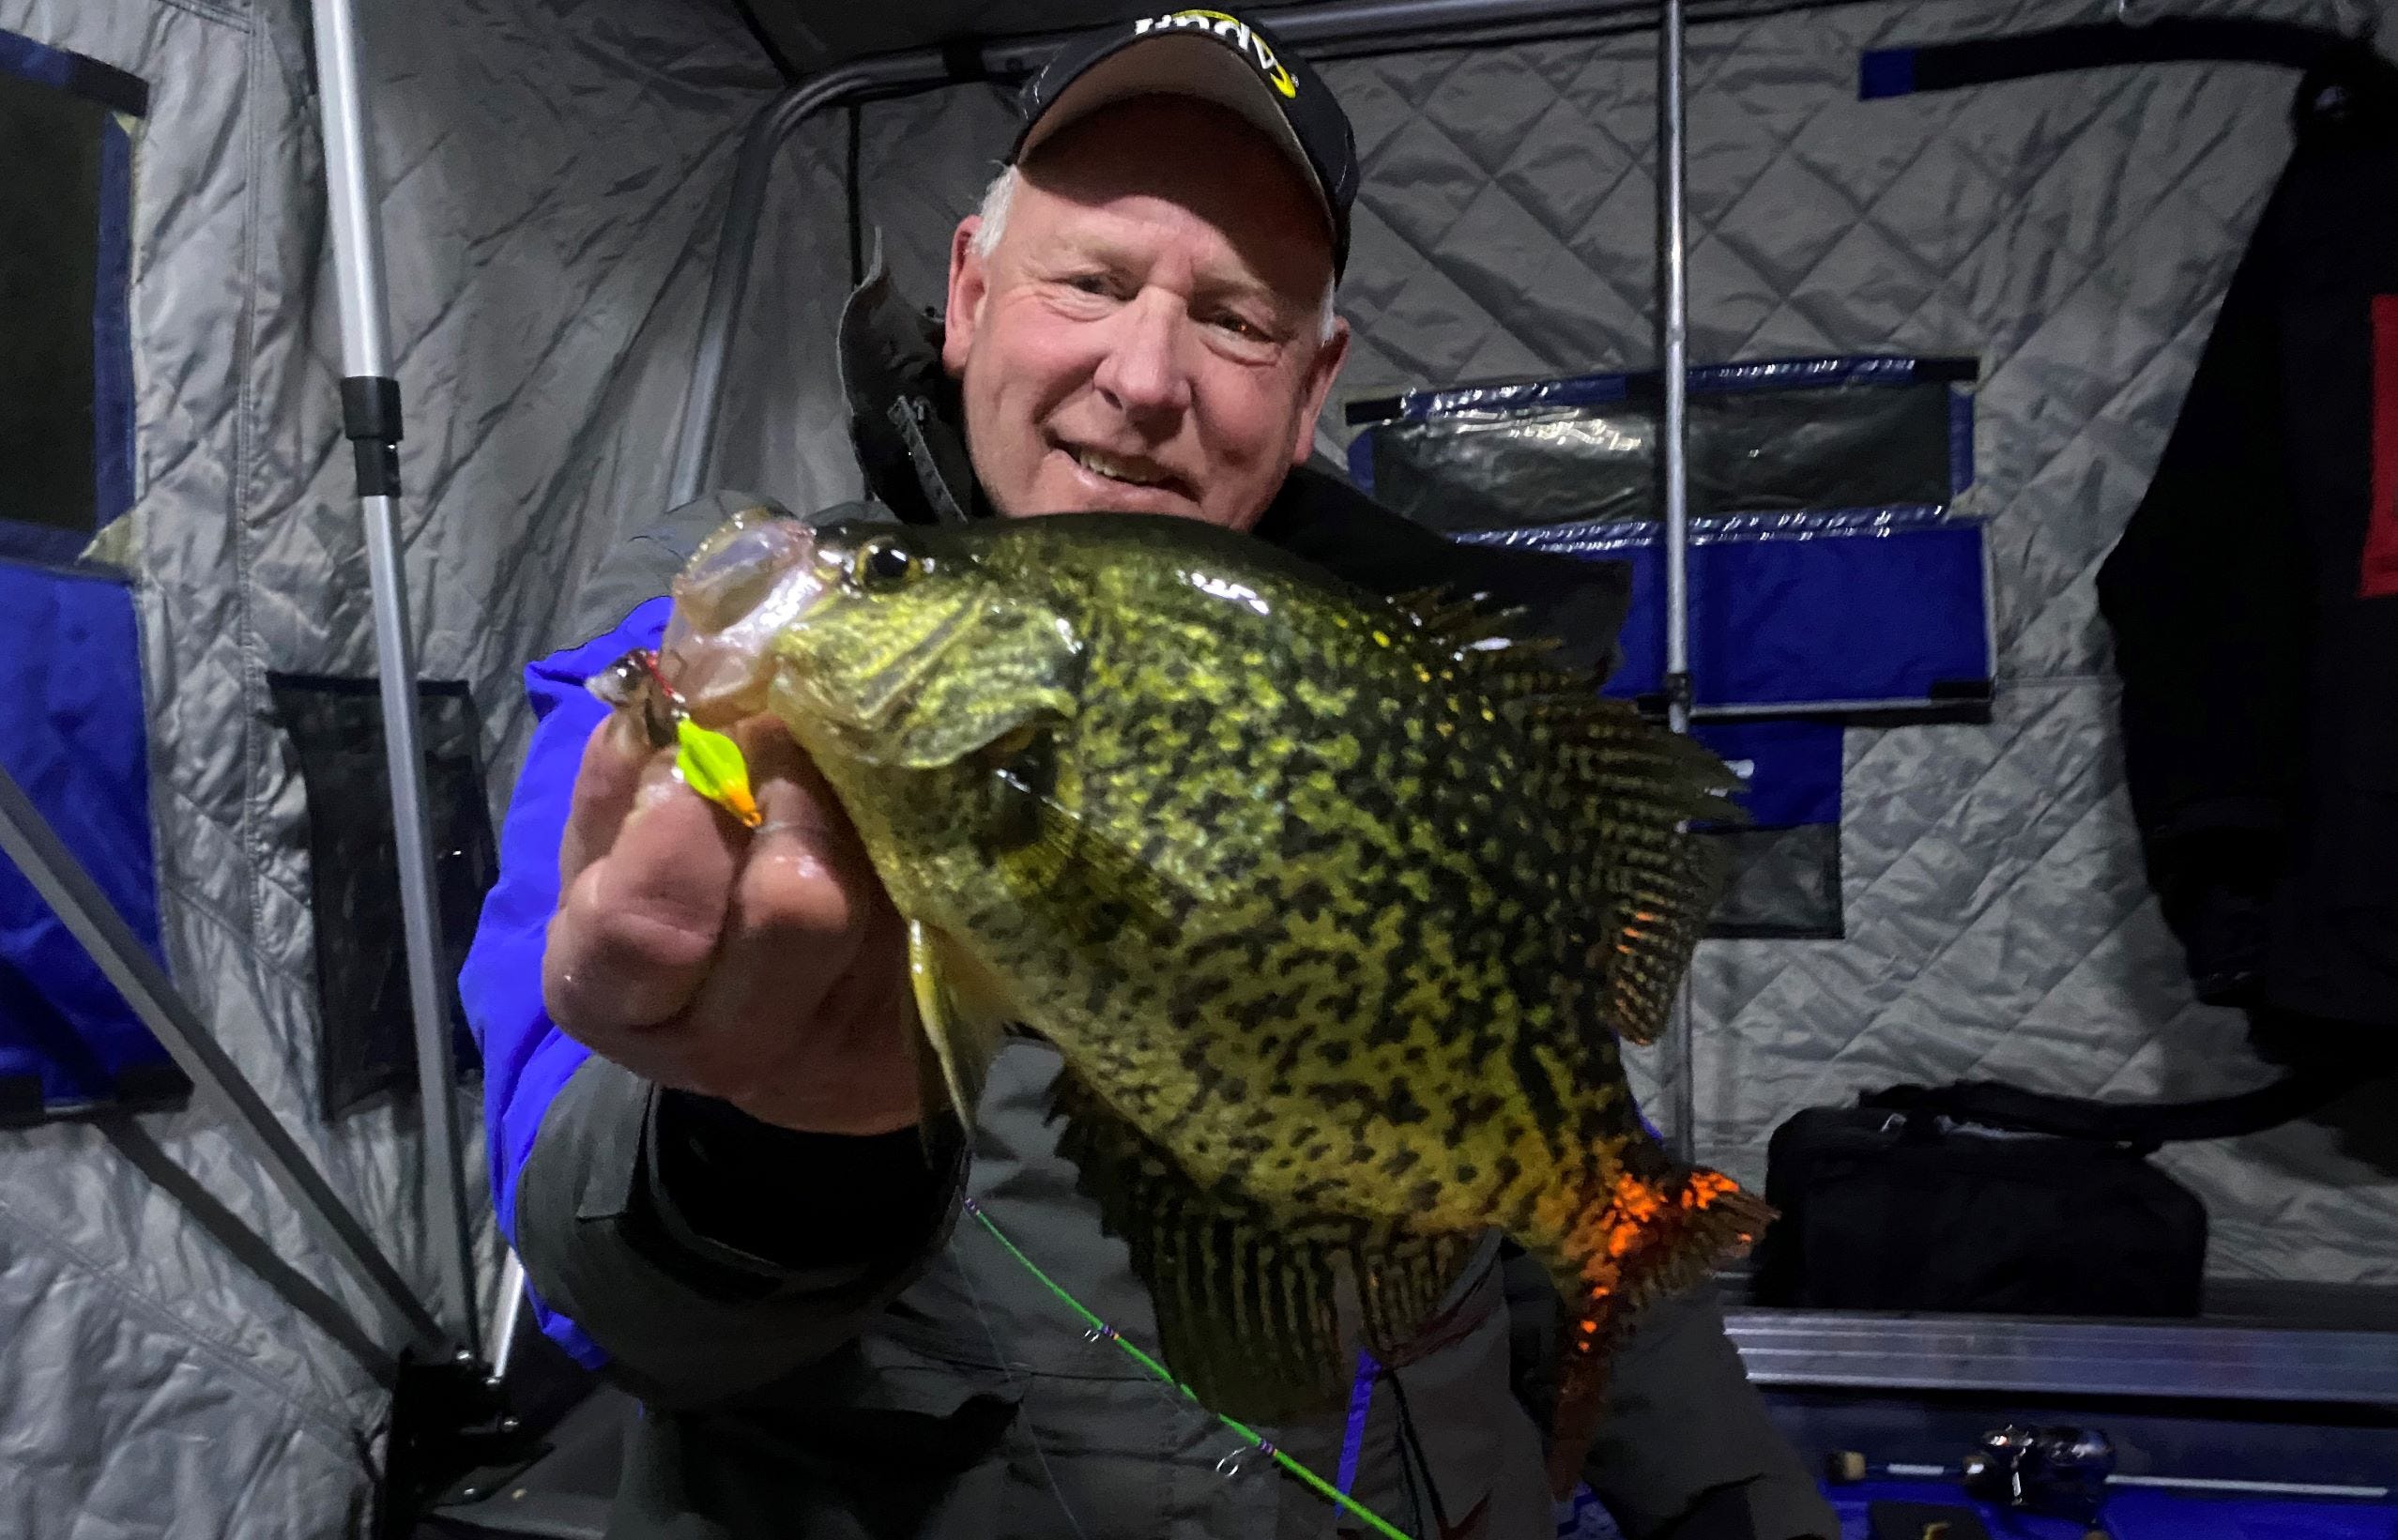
[(1090, 283), (1242, 327)]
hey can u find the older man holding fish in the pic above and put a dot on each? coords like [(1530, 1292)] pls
[(717, 1143)]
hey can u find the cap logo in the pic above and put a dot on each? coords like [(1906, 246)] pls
[(1232, 30)]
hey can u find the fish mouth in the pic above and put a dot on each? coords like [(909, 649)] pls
[(744, 584)]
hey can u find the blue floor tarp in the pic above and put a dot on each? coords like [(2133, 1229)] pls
[(2142, 1514)]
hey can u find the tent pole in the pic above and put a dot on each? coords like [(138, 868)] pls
[(1674, 348), (508, 1314), (28, 841), (736, 241), (371, 420)]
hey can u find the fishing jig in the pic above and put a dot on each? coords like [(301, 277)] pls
[(706, 761)]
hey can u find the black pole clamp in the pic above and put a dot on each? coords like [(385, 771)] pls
[(1680, 691), (371, 421)]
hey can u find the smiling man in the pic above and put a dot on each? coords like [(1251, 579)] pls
[(701, 1094)]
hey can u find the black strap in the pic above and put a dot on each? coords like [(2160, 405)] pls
[(1993, 1104), (962, 60), (1979, 61)]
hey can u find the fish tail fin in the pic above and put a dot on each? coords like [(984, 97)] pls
[(1641, 1239)]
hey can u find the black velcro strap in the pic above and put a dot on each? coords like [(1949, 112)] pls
[(370, 407), (961, 58), (109, 85)]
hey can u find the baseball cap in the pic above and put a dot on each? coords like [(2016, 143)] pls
[(1215, 56)]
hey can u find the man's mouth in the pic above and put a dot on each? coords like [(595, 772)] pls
[(1126, 470)]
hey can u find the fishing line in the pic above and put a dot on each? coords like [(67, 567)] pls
[(1101, 1330), (1031, 1434), (1416, 1447)]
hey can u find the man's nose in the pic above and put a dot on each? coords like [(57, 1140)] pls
[(1142, 374)]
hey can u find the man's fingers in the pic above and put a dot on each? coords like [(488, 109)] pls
[(614, 758), (797, 909), (638, 930)]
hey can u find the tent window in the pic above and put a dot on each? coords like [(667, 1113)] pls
[(65, 377)]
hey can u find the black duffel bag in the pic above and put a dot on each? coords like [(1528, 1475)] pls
[(1978, 1197)]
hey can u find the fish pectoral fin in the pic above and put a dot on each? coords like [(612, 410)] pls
[(960, 1017), (1086, 873)]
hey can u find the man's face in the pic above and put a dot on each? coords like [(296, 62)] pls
[(1145, 337)]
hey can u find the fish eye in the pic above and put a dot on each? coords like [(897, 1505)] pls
[(882, 565)]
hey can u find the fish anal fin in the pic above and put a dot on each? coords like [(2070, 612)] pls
[(1641, 1238), (960, 1015), (1258, 1310), (1402, 1279)]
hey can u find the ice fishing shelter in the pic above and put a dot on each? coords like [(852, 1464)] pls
[(183, 1350)]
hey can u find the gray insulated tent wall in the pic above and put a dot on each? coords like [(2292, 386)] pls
[(550, 179)]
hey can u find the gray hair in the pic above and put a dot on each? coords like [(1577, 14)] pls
[(1000, 196)]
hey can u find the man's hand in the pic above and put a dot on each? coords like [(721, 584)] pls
[(766, 968)]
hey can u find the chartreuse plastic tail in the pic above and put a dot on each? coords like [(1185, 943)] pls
[(711, 765)]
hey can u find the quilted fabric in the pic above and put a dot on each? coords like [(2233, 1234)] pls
[(2074, 231), (549, 175)]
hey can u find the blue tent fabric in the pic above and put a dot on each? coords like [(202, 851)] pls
[(72, 734), (1790, 770), (112, 328), (527, 1059), (2142, 1514), (1830, 612)]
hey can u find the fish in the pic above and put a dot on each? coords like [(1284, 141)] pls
[(1336, 906)]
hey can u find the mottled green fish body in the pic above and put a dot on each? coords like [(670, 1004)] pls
[(1335, 905)]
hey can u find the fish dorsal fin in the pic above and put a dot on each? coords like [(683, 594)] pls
[(1623, 791), (1468, 621), (1256, 1309), (1645, 882), (961, 1014)]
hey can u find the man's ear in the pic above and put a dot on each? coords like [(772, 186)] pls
[(969, 282), (1322, 371)]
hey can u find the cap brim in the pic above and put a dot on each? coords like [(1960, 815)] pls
[(1171, 65)]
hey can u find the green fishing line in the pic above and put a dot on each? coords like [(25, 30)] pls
[(1163, 1376)]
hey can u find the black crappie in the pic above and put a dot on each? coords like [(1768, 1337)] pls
[(1335, 905)]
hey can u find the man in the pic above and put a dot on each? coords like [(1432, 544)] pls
[(702, 1098)]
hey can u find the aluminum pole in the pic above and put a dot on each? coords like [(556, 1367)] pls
[(508, 1316), (28, 840), (1674, 439), (371, 413)]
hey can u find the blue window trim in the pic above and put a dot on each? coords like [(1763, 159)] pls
[(113, 329)]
